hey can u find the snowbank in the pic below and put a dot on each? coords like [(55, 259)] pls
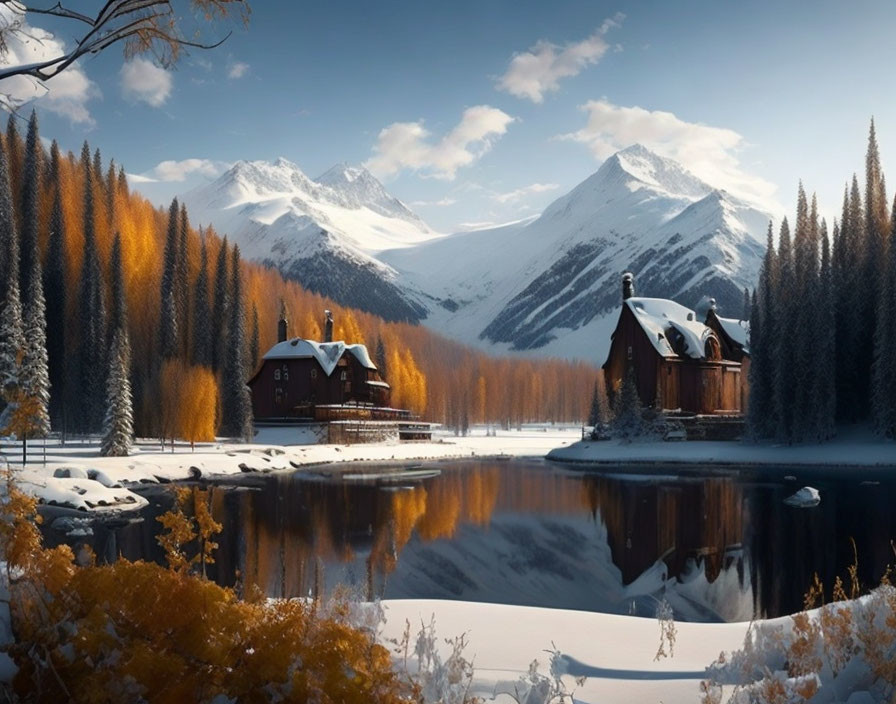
[(856, 448), (75, 475), (615, 653)]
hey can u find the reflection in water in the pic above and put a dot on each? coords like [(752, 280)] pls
[(717, 547)]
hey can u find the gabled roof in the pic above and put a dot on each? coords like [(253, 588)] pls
[(737, 330), (327, 354), (662, 319)]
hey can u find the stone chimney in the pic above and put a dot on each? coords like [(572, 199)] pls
[(328, 327), (628, 285), (282, 323)]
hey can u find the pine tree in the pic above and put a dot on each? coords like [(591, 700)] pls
[(12, 335), (118, 426), (748, 306), (254, 342), (236, 406), (168, 322), (825, 392), (220, 307), (782, 295), (379, 357), (90, 396), (598, 414), (628, 420), (118, 302), (202, 316), (762, 417), (34, 375), (884, 365), (31, 189), (855, 352), (56, 297), (181, 283)]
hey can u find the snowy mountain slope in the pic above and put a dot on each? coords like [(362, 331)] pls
[(552, 286), (324, 233)]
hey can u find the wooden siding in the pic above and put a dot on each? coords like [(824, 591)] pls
[(291, 388)]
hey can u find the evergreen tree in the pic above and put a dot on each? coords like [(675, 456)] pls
[(202, 316), (90, 395), (236, 406), (12, 335), (748, 306), (254, 342), (168, 322), (220, 308), (628, 421), (598, 413), (379, 356), (14, 159), (56, 297), (782, 296), (181, 283), (34, 376), (856, 351), (118, 425), (884, 367), (761, 409), (31, 189), (118, 303), (824, 398)]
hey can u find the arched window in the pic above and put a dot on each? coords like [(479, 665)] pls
[(712, 350)]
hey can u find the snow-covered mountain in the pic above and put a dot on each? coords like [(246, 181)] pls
[(552, 285), (546, 286), (324, 232)]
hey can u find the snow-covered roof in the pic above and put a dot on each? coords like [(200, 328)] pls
[(737, 330), (378, 384), (659, 316), (327, 354)]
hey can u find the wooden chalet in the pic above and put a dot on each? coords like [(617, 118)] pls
[(680, 362), (306, 379)]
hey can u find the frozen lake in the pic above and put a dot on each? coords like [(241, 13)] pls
[(718, 546)]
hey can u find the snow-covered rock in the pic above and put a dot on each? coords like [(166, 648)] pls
[(806, 497)]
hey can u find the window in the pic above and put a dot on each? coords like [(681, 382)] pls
[(313, 373), (343, 375), (285, 373), (278, 396), (276, 375), (629, 351)]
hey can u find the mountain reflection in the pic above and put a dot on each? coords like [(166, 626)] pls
[(717, 547)]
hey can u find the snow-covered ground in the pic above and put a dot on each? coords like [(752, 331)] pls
[(850, 448), (615, 653), (75, 475)]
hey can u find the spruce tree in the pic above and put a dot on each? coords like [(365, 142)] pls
[(34, 376), (825, 391), (12, 335), (220, 307), (748, 306), (56, 297), (236, 405), (379, 356), (884, 367), (90, 396), (118, 425), (14, 159), (782, 336), (628, 421), (254, 341), (181, 283), (856, 352), (168, 321), (202, 316), (118, 302), (31, 189), (761, 409), (598, 414)]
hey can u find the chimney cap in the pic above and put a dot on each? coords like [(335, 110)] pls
[(628, 276)]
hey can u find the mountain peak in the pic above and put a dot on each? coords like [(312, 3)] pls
[(656, 171)]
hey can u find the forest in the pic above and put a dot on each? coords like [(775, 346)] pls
[(122, 318), (822, 329)]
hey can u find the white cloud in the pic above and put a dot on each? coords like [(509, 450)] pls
[(238, 70), (434, 203), (711, 153), (519, 193), (405, 145), (537, 71), (142, 80), (177, 171), (66, 94)]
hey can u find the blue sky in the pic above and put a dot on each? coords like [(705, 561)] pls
[(476, 112)]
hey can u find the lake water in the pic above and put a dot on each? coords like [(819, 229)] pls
[(717, 546)]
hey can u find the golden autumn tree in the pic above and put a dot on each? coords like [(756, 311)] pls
[(199, 405)]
